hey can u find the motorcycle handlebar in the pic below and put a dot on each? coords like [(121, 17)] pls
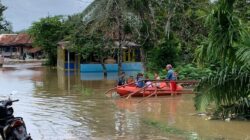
[(11, 101), (15, 100), (8, 102)]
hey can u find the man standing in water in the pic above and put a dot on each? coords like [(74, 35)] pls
[(171, 77)]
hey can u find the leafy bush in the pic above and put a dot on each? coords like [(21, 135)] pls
[(190, 71), (165, 53), (184, 72)]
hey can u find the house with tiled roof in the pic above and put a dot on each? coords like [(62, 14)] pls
[(16, 45)]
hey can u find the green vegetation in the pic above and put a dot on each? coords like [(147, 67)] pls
[(46, 33), (229, 88), (190, 71), (83, 90), (166, 53), (171, 130), (5, 26), (185, 72), (204, 40)]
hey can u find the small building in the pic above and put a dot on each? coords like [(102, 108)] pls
[(17, 46), (67, 60), (36, 53), (14, 45), (131, 52), (131, 59)]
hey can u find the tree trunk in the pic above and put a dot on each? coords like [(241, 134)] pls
[(120, 57), (143, 59), (104, 68), (120, 44)]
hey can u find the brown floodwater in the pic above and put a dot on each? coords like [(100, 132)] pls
[(57, 106)]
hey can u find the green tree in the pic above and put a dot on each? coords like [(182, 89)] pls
[(162, 19), (183, 19), (225, 30), (229, 87), (145, 22), (242, 8), (243, 54), (165, 53), (91, 47), (5, 26), (46, 33), (111, 21), (107, 17)]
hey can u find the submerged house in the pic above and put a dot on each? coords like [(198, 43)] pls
[(131, 57), (70, 60), (66, 59), (17, 46)]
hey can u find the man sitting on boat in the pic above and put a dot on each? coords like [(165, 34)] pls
[(148, 83), (139, 80), (130, 80), (142, 90), (122, 79), (157, 77)]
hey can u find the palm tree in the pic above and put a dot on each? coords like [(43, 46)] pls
[(225, 30), (229, 88), (243, 54)]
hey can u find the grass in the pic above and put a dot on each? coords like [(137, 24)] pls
[(83, 90), (171, 130)]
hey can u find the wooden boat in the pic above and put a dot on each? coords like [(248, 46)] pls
[(163, 90)]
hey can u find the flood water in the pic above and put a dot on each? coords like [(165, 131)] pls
[(57, 107)]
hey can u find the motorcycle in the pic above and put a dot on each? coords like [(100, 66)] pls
[(11, 128)]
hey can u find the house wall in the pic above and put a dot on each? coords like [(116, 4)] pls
[(62, 62), (130, 66), (95, 76), (13, 51), (60, 58)]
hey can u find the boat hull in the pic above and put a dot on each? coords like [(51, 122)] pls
[(127, 90)]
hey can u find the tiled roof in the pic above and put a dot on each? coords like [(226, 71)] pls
[(15, 39), (34, 50)]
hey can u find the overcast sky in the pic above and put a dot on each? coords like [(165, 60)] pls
[(21, 13)]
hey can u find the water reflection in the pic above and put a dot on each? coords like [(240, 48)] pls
[(92, 76), (87, 76), (154, 108), (57, 106)]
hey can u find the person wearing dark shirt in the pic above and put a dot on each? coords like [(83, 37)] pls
[(139, 80), (122, 79), (171, 77)]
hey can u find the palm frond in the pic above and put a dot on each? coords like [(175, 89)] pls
[(243, 54), (225, 30), (225, 88)]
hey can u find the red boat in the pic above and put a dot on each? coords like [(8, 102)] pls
[(163, 90)]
